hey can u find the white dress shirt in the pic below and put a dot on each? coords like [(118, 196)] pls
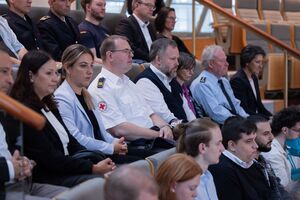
[(277, 157), (153, 95), (120, 101), (5, 153), (144, 28)]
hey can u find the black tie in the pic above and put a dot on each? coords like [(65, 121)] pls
[(233, 110)]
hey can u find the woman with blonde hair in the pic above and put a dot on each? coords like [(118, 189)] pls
[(202, 139), (77, 107), (178, 178)]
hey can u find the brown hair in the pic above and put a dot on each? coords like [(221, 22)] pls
[(192, 134), (177, 168), (110, 44)]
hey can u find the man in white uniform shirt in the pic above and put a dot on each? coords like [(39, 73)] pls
[(124, 111)]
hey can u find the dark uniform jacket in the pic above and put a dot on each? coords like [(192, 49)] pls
[(130, 28), (25, 30), (243, 91), (4, 174), (57, 35)]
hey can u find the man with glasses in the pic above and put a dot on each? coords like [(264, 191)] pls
[(138, 30), (57, 29), (285, 126), (92, 33), (124, 111), (212, 90)]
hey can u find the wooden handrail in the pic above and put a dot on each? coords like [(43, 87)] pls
[(255, 30), (21, 112)]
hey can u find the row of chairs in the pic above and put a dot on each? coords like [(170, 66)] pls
[(94, 189)]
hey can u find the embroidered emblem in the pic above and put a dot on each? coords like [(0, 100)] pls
[(45, 18), (202, 79), (102, 106), (100, 83)]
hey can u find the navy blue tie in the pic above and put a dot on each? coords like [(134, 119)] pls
[(233, 110)]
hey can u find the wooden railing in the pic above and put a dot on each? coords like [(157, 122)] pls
[(21, 112), (287, 50)]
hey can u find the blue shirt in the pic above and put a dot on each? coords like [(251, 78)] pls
[(206, 189), (92, 35), (9, 37), (207, 92)]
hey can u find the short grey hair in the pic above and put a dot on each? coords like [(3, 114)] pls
[(160, 46), (208, 54)]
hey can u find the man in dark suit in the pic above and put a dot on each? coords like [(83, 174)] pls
[(245, 83), (22, 24), (57, 30), (138, 29)]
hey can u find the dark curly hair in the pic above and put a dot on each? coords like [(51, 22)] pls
[(249, 52), (287, 117)]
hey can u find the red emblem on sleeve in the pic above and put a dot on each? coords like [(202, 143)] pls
[(102, 106)]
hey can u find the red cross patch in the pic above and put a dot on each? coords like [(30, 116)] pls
[(102, 106)]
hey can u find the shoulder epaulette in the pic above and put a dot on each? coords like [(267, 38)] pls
[(202, 79), (100, 83), (45, 18), (83, 32)]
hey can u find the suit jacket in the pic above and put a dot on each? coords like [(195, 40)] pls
[(243, 91), (130, 28), (57, 35), (78, 122), (4, 173), (46, 149), (26, 31)]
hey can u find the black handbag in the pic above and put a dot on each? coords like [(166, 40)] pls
[(91, 155), (154, 145)]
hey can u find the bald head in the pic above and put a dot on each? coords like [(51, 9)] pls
[(6, 79), (130, 183)]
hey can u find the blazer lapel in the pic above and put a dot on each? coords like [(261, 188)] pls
[(138, 28)]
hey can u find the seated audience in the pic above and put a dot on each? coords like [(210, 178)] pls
[(178, 178), (264, 139), (15, 167), (76, 106), (164, 23), (124, 111), (285, 126), (153, 82), (245, 83), (158, 5), (138, 29), (92, 33), (237, 176), (9, 42), (19, 21), (142, 185), (202, 139), (212, 90), (179, 88), (52, 148), (57, 29)]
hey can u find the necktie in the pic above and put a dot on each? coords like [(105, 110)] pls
[(233, 110), (185, 92)]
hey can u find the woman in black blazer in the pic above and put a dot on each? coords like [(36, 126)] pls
[(51, 148), (245, 83)]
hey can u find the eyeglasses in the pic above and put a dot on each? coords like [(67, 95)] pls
[(295, 130), (172, 19), (127, 51), (149, 5)]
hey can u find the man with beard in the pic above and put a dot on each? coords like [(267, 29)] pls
[(264, 138), (153, 82), (92, 33)]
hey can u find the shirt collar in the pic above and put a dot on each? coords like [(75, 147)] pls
[(140, 22), (236, 160), (160, 75), (113, 78), (277, 145)]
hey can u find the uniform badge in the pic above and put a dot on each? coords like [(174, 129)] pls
[(102, 106), (100, 83), (83, 32), (45, 18), (202, 79)]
